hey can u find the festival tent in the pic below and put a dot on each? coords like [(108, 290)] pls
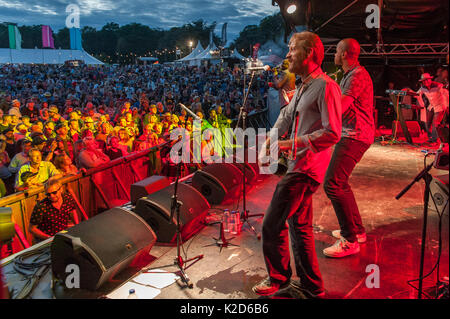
[(45, 56), (208, 53), (271, 60), (235, 54), (198, 49)]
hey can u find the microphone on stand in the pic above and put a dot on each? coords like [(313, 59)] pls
[(189, 111), (258, 68)]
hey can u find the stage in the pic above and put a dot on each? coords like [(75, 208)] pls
[(394, 232)]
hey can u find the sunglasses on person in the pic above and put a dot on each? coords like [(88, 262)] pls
[(53, 193)]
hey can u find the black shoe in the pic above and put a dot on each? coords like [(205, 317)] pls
[(268, 287), (296, 284)]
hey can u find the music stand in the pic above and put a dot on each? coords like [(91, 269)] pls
[(243, 114)]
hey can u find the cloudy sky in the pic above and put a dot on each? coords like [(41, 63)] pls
[(154, 13)]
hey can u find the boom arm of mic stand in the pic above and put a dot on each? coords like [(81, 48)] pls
[(416, 179)]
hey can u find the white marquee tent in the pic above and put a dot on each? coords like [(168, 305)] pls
[(45, 56), (198, 49)]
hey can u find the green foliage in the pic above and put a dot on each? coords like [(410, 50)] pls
[(269, 28)]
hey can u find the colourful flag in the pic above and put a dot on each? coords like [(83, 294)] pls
[(47, 37), (255, 50), (15, 39), (75, 39), (223, 40)]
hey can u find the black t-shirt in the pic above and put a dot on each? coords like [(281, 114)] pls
[(50, 220), (113, 154), (11, 149)]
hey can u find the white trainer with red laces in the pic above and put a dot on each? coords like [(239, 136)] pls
[(341, 248), (360, 237)]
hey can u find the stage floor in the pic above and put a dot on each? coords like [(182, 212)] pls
[(394, 232)]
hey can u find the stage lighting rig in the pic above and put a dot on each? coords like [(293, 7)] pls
[(294, 13)]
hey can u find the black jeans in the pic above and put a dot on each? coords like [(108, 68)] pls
[(346, 155), (292, 202), (434, 120)]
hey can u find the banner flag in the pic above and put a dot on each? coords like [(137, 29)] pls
[(47, 37), (18, 38), (75, 39), (255, 51), (15, 39), (224, 34)]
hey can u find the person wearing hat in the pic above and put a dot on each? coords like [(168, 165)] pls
[(15, 109), (6, 122), (433, 99), (11, 145), (53, 113)]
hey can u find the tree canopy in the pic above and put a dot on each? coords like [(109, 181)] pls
[(123, 44)]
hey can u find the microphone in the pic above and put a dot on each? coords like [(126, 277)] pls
[(259, 68), (190, 112)]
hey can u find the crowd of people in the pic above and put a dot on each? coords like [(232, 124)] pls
[(58, 120)]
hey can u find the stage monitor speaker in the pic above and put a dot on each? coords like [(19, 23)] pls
[(439, 194), (217, 182), (147, 186), (155, 209), (101, 246), (413, 128), (250, 173)]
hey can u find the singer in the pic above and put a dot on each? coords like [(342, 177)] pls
[(318, 103), (284, 82)]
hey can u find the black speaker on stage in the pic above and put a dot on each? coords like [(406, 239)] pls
[(218, 181), (155, 209), (250, 173), (147, 186), (101, 246)]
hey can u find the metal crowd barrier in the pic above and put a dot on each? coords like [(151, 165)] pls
[(95, 191)]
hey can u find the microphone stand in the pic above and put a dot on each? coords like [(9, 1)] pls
[(175, 206), (243, 114), (426, 176)]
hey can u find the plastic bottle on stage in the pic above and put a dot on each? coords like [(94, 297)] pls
[(234, 223), (132, 294), (226, 220)]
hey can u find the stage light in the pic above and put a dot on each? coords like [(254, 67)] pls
[(291, 9)]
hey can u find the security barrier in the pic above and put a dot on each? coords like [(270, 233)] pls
[(94, 191)]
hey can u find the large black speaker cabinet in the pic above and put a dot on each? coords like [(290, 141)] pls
[(101, 246), (147, 186), (155, 209), (217, 182), (250, 173)]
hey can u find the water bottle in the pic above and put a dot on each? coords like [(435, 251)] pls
[(233, 223), (226, 220), (132, 294)]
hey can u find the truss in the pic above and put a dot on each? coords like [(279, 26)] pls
[(405, 50)]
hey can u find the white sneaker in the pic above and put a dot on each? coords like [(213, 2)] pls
[(360, 237), (341, 248)]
